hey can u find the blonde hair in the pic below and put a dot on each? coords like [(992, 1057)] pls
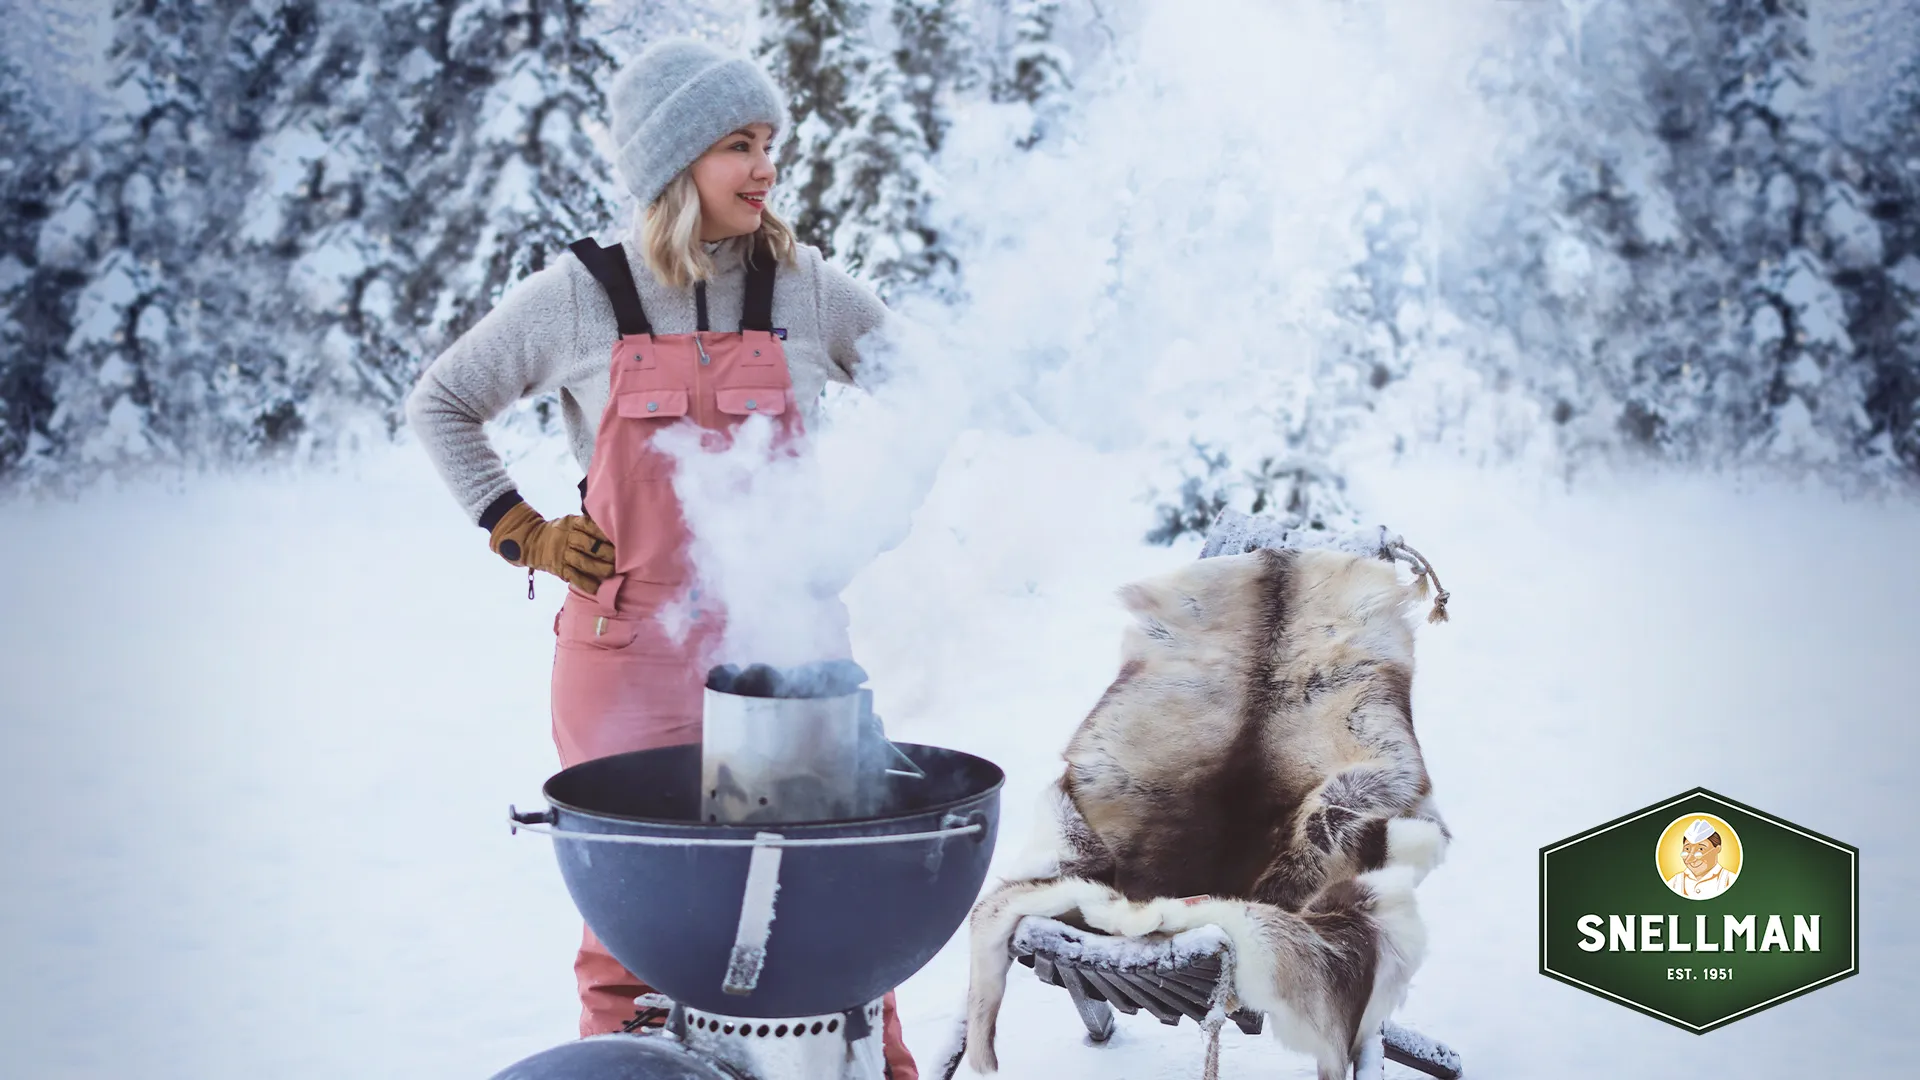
[(670, 235)]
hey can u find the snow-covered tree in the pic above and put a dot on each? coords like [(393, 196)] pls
[(818, 53), (45, 109), (1787, 227), (144, 197), (1872, 78), (938, 61), (859, 163), (289, 205), (883, 186), (240, 229), (1038, 70), (1700, 244), (477, 171), (1367, 337), (1687, 262)]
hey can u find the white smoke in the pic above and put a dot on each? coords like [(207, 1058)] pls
[(778, 536), (1159, 269)]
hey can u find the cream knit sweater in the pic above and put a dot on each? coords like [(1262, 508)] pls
[(554, 331)]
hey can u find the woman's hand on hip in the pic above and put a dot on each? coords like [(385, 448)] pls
[(571, 548)]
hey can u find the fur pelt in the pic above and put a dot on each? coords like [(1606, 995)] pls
[(1255, 756)]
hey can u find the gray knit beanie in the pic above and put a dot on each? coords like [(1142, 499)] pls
[(678, 98)]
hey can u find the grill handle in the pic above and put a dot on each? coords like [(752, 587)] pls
[(549, 816)]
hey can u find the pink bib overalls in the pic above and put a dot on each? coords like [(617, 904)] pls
[(621, 682)]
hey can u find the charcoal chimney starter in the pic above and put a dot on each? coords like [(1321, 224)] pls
[(784, 745)]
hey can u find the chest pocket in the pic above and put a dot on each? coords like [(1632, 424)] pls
[(747, 401), (653, 404), (649, 407)]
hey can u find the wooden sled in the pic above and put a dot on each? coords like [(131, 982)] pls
[(1180, 976)]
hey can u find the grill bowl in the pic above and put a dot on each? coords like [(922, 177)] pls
[(850, 923)]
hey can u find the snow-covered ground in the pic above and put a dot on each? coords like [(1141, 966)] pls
[(257, 736)]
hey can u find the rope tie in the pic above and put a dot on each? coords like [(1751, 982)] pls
[(1211, 1071), (1422, 571), (1223, 1000)]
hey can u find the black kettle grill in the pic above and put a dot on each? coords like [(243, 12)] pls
[(773, 940)]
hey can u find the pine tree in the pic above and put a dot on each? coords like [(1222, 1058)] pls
[(148, 192), (499, 171), (1770, 226), (861, 178), (1750, 351), (1873, 76), (1701, 253), (883, 185), (290, 207), (937, 60), (1039, 72), (937, 63), (43, 113), (816, 52)]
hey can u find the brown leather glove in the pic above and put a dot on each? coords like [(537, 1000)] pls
[(571, 548)]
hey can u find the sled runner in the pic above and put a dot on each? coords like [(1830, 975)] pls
[(1175, 977)]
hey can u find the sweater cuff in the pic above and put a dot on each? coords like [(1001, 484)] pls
[(498, 509)]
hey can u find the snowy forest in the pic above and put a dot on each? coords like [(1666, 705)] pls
[(1578, 232), (1611, 307)]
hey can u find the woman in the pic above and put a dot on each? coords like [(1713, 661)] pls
[(635, 338)]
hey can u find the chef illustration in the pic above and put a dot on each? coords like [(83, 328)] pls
[(1701, 876)]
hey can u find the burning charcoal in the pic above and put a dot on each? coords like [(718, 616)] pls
[(759, 680), (804, 681), (824, 678), (846, 677), (721, 677)]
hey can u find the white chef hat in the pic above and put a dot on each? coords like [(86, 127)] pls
[(1699, 831)]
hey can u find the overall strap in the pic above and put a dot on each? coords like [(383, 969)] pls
[(609, 267), (757, 313)]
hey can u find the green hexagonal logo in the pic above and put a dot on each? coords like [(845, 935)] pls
[(1699, 910)]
